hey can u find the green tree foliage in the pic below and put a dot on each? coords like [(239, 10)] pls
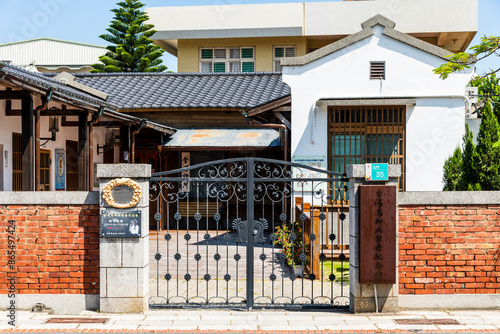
[(488, 150), (132, 49), (476, 167), (462, 60), (452, 170), (469, 179)]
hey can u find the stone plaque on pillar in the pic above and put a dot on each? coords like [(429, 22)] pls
[(377, 261)]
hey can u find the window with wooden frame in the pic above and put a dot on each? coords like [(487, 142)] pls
[(282, 52), (227, 59), (17, 162), (371, 134), (45, 170)]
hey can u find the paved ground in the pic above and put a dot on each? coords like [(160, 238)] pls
[(261, 321), (189, 245)]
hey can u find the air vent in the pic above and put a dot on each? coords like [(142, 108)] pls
[(377, 70)]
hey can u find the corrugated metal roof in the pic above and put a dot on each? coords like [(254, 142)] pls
[(51, 53), (129, 91), (252, 137)]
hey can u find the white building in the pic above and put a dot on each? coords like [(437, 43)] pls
[(373, 97), (49, 55)]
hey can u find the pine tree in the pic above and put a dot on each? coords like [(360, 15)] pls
[(469, 179), (488, 150), (452, 170), (133, 50)]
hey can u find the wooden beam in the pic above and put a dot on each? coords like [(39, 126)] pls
[(283, 120), (270, 106), (283, 109), (14, 94), (59, 112), (83, 150), (441, 40), (27, 144)]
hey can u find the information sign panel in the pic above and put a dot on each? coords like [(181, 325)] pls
[(120, 224)]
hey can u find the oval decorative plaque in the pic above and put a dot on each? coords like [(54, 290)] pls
[(115, 192)]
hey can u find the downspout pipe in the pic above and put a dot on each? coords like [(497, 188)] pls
[(132, 153), (276, 126)]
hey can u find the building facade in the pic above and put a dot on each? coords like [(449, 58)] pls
[(247, 38)]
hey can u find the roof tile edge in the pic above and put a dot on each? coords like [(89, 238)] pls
[(360, 35)]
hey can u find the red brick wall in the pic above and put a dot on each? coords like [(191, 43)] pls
[(57, 248), (449, 249)]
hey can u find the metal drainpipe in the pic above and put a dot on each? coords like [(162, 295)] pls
[(276, 126), (132, 149), (94, 121), (37, 143)]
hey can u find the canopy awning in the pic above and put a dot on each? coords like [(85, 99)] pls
[(205, 138)]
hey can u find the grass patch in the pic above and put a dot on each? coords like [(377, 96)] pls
[(337, 268)]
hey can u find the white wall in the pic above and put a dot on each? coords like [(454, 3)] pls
[(345, 74), (10, 124)]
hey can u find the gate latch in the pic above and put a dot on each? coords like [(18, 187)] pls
[(258, 230)]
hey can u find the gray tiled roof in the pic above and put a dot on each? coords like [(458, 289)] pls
[(130, 91), (43, 81)]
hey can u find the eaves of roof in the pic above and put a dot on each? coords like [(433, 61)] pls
[(54, 40), (367, 31), (38, 83)]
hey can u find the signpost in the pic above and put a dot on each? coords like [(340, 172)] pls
[(377, 172)]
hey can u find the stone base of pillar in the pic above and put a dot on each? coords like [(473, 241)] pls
[(367, 304), (123, 305)]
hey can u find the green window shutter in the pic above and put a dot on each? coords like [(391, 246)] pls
[(248, 66), (279, 52), (247, 53), (219, 67), (207, 53)]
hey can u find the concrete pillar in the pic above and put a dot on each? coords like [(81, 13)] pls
[(124, 262), (362, 296)]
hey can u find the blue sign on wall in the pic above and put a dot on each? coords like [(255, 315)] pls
[(377, 172)]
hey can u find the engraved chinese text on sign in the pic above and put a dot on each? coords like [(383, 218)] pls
[(377, 234)]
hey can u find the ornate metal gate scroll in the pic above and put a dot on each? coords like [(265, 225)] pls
[(209, 255)]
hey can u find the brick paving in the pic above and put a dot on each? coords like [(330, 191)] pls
[(260, 321)]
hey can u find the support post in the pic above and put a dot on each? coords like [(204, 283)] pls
[(83, 150), (27, 144), (124, 262), (362, 296)]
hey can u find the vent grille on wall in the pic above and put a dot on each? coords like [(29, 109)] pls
[(377, 70)]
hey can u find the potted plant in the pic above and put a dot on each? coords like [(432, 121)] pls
[(289, 237)]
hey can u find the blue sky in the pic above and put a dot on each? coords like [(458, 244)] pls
[(84, 20)]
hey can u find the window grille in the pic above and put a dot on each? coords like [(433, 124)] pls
[(372, 134)]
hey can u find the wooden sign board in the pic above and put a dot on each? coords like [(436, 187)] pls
[(377, 240)]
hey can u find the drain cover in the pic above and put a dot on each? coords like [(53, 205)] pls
[(427, 322), (77, 321)]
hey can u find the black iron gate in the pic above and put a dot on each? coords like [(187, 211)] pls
[(208, 255)]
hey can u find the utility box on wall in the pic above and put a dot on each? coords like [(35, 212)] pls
[(377, 260)]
